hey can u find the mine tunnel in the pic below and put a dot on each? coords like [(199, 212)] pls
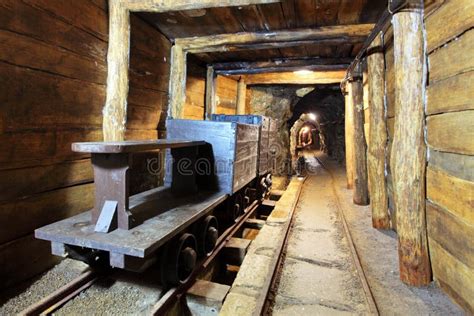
[(245, 157)]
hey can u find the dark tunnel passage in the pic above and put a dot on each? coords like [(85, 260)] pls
[(323, 111)]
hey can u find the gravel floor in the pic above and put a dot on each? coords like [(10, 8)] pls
[(61, 274), (318, 276), (120, 294)]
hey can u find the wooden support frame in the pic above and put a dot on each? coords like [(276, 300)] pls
[(115, 109), (408, 158), (274, 45), (361, 190), (241, 96), (221, 42), (316, 77), (211, 101), (178, 5), (377, 149), (118, 58), (177, 86), (282, 65), (349, 134)]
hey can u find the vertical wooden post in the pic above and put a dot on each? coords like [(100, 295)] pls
[(408, 150), (349, 135), (210, 92), (177, 86), (376, 154), (115, 109), (361, 191), (241, 96)]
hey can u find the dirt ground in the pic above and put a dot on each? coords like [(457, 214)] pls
[(16, 300), (122, 293), (318, 275), (377, 250)]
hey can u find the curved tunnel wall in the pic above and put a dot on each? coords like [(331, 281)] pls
[(283, 104), (327, 103)]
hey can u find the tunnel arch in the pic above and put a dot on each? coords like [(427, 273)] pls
[(326, 102), (304, 120)]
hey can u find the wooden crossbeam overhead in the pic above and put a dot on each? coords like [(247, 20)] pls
[(275, 45), (225, 41), (316, 77), (284, 62), (179, 5), (282, 65)]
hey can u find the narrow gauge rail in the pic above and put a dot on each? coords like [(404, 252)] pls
[(369, 296), (59, 298)]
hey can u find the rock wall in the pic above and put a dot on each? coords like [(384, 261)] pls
[(278, 103), (327, 104), (288, 103)]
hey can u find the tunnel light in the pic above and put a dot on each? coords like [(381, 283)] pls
[(303, 72), (312, 116)]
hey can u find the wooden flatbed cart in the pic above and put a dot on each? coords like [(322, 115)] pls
[(127, 231)]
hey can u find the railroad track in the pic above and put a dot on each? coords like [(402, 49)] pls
[(68, 292), (63, 295), (371, 303)]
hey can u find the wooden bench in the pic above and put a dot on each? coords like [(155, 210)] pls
[(111, 162)]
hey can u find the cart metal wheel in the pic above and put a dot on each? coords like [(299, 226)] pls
[(179, 260), (207, 234)]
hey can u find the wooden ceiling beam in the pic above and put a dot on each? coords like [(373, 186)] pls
[(222, 42), (316, 77), (342, 67), (282, 65), (179, 5), (275, 45)]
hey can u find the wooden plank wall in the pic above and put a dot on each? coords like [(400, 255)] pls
[(53, 75), (226, 91), (450, 137), (195, 98)]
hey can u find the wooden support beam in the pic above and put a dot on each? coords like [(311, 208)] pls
[(252, 71), (206, 298), (210, 92), (398, 5), (349, 134), (316, 77), (115, 109), (408, 156), (361, 190), (223, 41), (177, 86), (253, 223), (241, 96), (235, 250), (376, 154), (276, 45), (282, 65), (179, 5)]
